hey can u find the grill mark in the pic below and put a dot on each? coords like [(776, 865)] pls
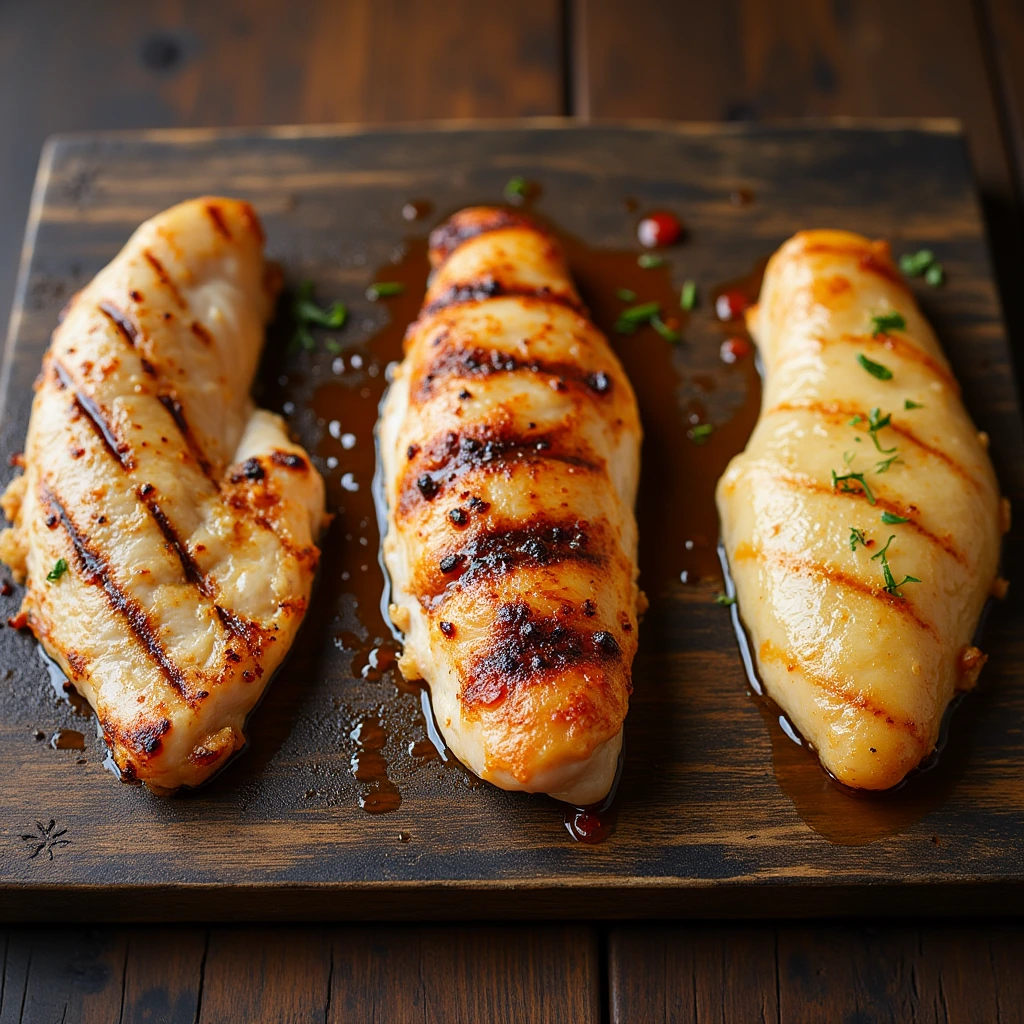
[(95, 567), (460, 363), (252, 221), (496, 552), (246, 630), (525, 648), (838, 411), (905, 349), (852, 698), (455, 231), (201, 333), (868, 259), (805, 483), (809, 567), (491, 288), (121, 320), (96, 416), (165, 278), (217, 216), (445, 460), (173, 406)]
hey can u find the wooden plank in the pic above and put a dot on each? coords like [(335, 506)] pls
[(547, 975), (705, 826), (163, 973), (119, 64), (1002, 26), (794, 974)]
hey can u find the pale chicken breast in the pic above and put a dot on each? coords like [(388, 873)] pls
[(862, 524), (185, 518), (510, 443)]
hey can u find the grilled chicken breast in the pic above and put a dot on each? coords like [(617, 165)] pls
[(862, 523), (164, 527), (510, 445)]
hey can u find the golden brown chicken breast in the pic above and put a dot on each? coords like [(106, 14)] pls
[(510, 442), (164, 527), (862, 523)]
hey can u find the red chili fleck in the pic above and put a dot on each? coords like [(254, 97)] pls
[(735, 349), (730, 304), (658, 229)]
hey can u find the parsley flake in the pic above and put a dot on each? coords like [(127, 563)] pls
[(650, 260), (384, 290), (517, 189), (876, 422), (909, 403), (891, 586), (934, 275), (307, 314), (845, 479), (885, 464), (700, 433), (632, 317), (857, 537), (59, 568), (688, 296), (914, 264), (725, 600), (668, 333), (891, 519), (875, 369), (885, 322), (626, 294)]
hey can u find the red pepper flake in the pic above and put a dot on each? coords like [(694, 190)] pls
[(730, 304), (735, 349), (659, 229)]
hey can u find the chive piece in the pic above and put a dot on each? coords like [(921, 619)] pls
[(517, 188), (650, 260), (934, 275), (845, 478), (688, 296), (303, 338), (700, 433), (891, 586), (384, 290), (308, 312), (626, 294), (914, 264), (857, 537), (875, 369), (632, 317), (664, 330), (891, 519), (725, 600), (885, 322), (59, 568), (910, 404), (334, 346), (885, 464)]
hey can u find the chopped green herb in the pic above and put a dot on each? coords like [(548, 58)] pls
[(909, 404), (650, 260), (856, 419), (849, 455), (876, 422), (59, 568), (626, 294), (885, 464), (914, 264), (934, 275), (845, 479), (886, 322), (700, 433), (668, 333), (891, 586), (891, 519), (333, 346), (725, 600), (875, 369), (384, 290), (517, 189), (688, 296), (857, 537), (632, 317), (307, 313)]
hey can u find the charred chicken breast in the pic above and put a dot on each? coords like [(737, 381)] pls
[(510, 445), (164, 527), (862, 524)]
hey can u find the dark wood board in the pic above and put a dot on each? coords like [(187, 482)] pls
[(704, 827)]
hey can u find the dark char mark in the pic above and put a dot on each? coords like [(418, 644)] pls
[(481, 362), (523, 646), (121, 450), (173, 406), (217, 216), (165, 279), (121, 320), (496, 553), (490, 288), (446, 238), (95, 569)]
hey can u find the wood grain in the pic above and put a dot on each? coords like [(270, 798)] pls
[(704, 827), (177, 63), (293, 975), (790, 974)]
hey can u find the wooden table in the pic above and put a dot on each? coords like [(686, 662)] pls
[(115, 64)]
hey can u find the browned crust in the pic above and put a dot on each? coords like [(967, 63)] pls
[(487, 287), (467, 224), (872, 258)]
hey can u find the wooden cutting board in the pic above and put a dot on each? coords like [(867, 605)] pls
[(718, 813)]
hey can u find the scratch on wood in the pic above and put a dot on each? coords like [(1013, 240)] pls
[(202, 976)]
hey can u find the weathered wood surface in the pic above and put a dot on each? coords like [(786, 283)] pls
[(292, 975), (703, 826)]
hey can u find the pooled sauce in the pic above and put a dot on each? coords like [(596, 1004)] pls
[(67, 739)]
